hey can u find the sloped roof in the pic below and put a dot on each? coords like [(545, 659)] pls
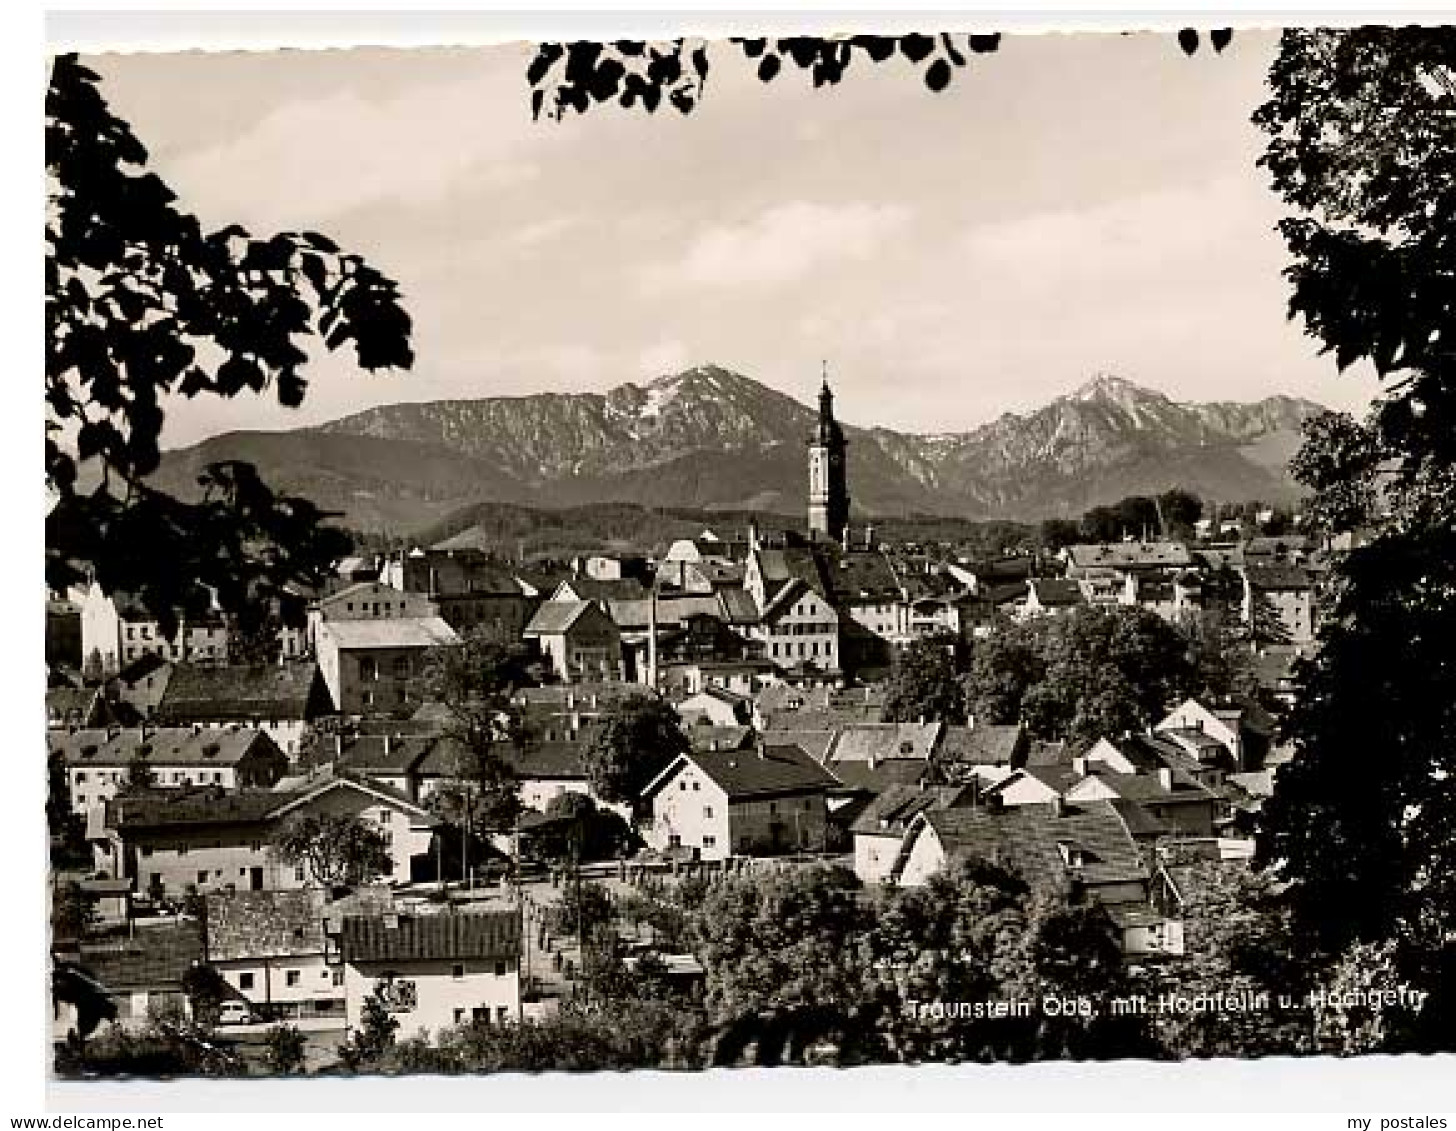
[(166, 809), (265, 691), (555, 617), (386, 754), (1026, 838), (261, 924), (861, 777), (605, 589), (154, 960), (985, 744), (390, 632), (445, 936), (1148, 789), (1056, 592), (671, 610), (63, 703), (859, 575), (1278, 576), (549, 761), (891, 812), (1130, 555), (720, 738), (738, 605), (817, 743), (767, 770), (164, 746), (864, 742)]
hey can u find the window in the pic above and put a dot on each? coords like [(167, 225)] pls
[(401, 667), (298, 873), (460, 1017), (245, 981), (707, 810), (682, 786), (500, 968), (457, 971), (502, 1014), (368, 668), (808, 804), (202, 875), (338, 978), (696, 786), (773, 806), (709, 841), (385, 816), (294, 977)]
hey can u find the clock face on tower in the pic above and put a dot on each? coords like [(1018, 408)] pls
[(828, 491)]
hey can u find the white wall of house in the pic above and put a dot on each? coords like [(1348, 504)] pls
[(446, 993), (806, 631), (925, 858), (874, 856), (299, 982), (92, 786), (1025, 790), (1193, 715), (690, 810)]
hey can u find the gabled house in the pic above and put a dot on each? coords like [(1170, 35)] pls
[(798, 624), (434, 971), (719, 707), (1179, 802), (143, 973), (1051, 597), (880, 827), (474, 593), (74, 708), (167, 841), (373, 664), (580, 640), (270, 948), (98, 762), (767, 800), (1086, 849), (1240, 726), (282, 700)]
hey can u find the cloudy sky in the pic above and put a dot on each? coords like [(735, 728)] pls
[(1072, 205)]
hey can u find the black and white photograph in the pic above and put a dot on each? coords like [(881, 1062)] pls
[(867, 549)]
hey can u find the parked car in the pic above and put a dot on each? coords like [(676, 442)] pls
[(234, 1012)]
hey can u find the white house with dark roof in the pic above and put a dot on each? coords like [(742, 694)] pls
[(270, 947), (434, 971), (211, 839), (98, 762), (766, 800), (1086, 847), (581, 641)]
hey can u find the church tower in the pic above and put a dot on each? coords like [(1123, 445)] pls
[(828, 490)]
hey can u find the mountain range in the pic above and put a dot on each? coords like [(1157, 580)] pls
[(713, 439)]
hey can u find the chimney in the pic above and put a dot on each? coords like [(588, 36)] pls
[(1057, 806), (338, 745), (387, 745), (869, 536), (1165, 778), (1079, 765)]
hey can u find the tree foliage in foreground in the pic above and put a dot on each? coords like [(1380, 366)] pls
[(1362, 146), (334, 849), (637, 738), (143, 304), (567, 77)]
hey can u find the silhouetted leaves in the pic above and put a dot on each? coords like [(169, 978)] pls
[(574, 76), (142, 303)]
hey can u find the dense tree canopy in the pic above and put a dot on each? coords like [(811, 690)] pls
[(336, 850), (1096, 672), (1362, 145), (141, 304), (636, 740), (925, 686)]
